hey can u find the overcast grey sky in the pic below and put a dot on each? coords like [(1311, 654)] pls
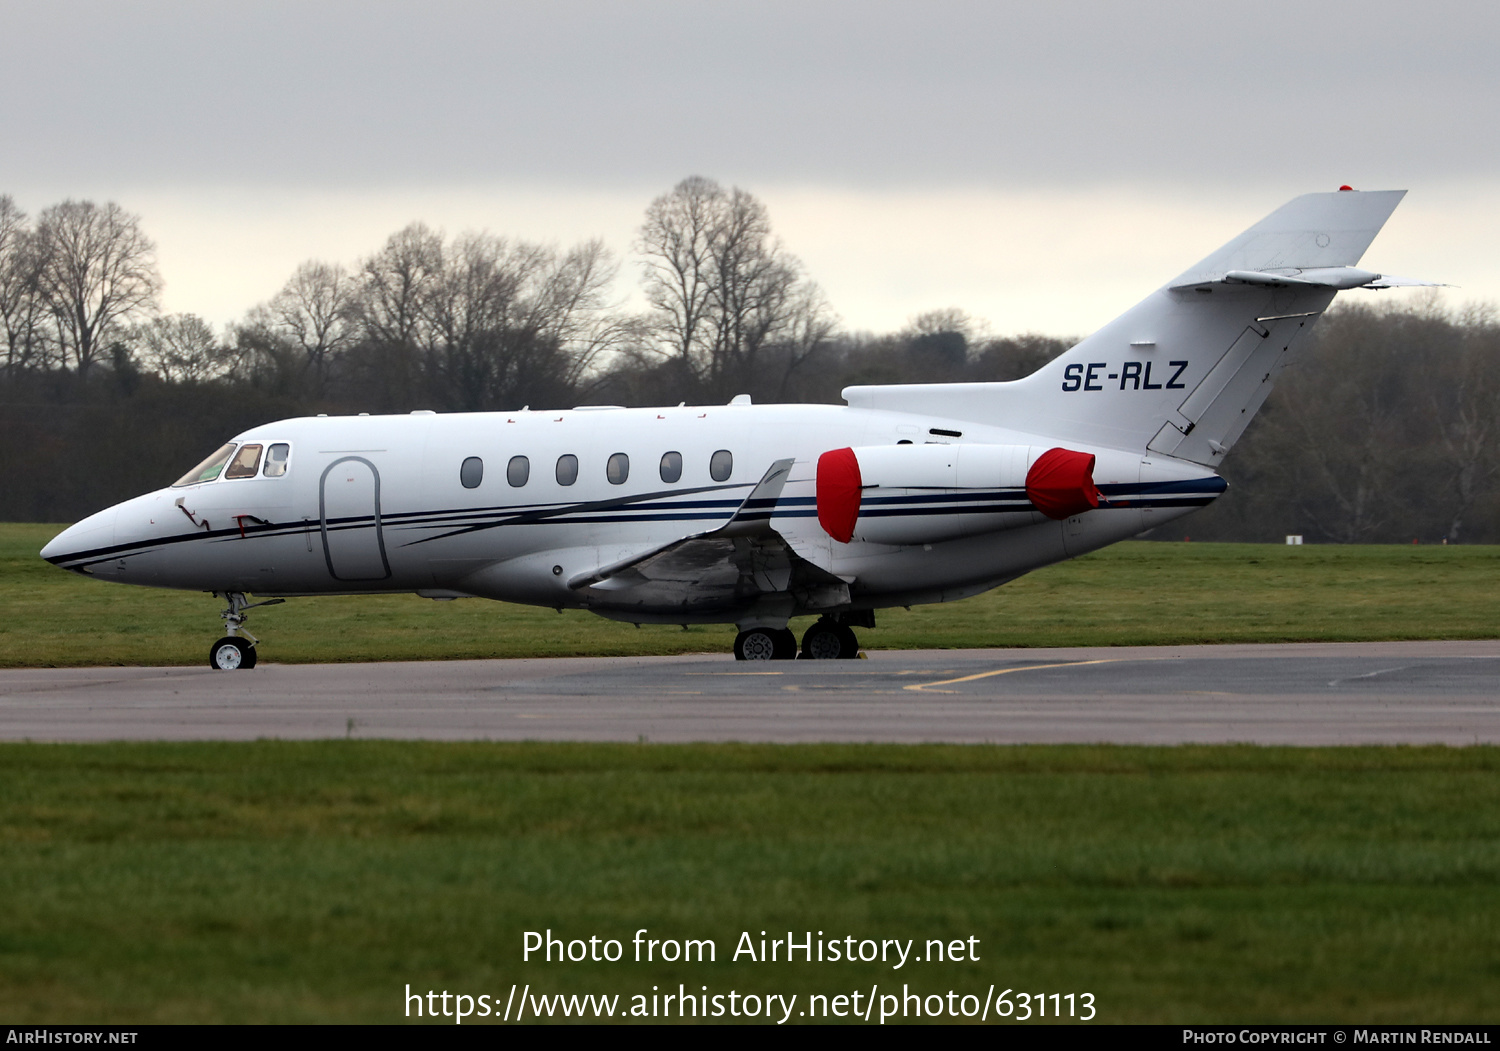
[(907, 150)]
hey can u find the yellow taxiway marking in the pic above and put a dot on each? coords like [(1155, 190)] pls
[(919, 686)]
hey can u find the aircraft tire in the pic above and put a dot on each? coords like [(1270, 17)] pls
[(765, 644), (825, 641), (231, 654)]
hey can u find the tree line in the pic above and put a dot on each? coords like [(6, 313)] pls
[(1385, 431)]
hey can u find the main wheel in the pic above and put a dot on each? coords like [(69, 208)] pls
[(230, 653), (765, 644), (825, 641)]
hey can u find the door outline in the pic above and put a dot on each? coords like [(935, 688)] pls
[(323, 519)]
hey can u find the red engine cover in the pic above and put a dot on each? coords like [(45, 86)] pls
[(839, 485), (1060, 484)]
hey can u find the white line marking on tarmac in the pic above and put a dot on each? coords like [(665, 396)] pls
[(1367, 675)]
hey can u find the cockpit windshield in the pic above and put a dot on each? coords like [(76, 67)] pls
[(209, 469), (245, 463)]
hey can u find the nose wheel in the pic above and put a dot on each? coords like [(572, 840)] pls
[(236, 650), (230, 653)]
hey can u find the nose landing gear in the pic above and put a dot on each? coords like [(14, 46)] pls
[(233, 652)]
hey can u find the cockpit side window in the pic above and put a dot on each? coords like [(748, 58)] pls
[(276, 458), (246, 462), (209, 469)]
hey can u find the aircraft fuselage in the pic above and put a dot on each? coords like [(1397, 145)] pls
[(517, 506)]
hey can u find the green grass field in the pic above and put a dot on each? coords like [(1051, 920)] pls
[(280, 881), (1135, 593)]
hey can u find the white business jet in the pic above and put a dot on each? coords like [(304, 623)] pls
[(753, 514)]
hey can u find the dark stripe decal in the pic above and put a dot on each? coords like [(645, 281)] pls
[(666, 506)]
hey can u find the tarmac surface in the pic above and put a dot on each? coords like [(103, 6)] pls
[(1296, 694)]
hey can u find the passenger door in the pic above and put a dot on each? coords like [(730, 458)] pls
[(349, 504)]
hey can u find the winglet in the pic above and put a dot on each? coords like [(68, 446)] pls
[(754, 515)]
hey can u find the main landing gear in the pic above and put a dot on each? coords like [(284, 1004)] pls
[(828, 639), (233, 651), (765, 644)]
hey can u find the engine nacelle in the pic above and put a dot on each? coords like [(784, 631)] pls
[(918, 494)]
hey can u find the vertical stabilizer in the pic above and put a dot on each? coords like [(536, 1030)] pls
[(1313, 231), (1183, 371)]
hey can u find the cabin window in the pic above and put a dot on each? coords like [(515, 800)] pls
[(618, 469), (276, 458), (209, 469), (567, 469), (720, 465), (246, 462), (671, 466), (471, 473), (517, 471)]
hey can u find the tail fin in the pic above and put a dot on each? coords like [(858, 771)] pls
[(1183, 371)]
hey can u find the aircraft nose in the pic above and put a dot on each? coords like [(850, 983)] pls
[(94, 532)]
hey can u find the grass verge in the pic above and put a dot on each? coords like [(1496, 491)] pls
[(312, 881)]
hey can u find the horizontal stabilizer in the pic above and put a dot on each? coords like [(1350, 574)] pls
[(1339, 278), (1392, 281)]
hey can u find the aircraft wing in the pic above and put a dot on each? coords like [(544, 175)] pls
[(751, 517), (739, 560)]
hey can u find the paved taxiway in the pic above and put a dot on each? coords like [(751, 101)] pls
[(1410, 692)]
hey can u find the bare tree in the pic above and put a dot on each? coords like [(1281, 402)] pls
[(99, 272), (805, 332), (483, 321), (511, 323), (23, 311), (937, 342), (396, 282), (573, 299), (725, 296), (179, 348), (477, 340), (677, 244), (316, 311), (257, 351)]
